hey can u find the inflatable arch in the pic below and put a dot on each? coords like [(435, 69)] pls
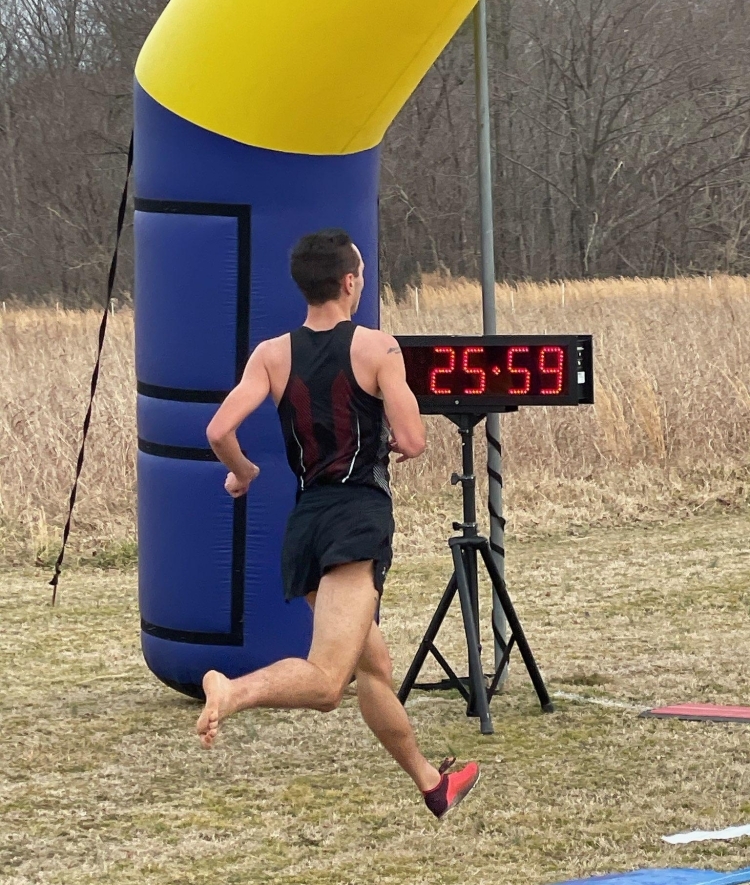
[(256, 122)]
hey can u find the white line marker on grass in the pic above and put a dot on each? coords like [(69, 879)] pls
[(598, 702), (708, 835)]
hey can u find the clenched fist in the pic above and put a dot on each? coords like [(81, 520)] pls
[(238, 486)]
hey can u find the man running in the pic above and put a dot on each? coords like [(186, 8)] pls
[(338, 388)]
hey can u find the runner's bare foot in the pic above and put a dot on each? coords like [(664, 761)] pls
[(216, 688)]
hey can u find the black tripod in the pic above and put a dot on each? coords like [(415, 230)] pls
[(465, 550)]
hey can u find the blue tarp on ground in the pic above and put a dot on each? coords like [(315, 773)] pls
[(669, 877)]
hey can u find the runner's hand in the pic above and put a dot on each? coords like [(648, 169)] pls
[(394, 447), (238, 487)]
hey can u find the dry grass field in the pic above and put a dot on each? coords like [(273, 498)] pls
[(668, 437), (628, 559), (104, 781)]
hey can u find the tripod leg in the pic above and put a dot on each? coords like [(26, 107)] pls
[(476, 674), (469, 555), (516, 629), (429, 638)]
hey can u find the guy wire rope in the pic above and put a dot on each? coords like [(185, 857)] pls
[(95, 375)]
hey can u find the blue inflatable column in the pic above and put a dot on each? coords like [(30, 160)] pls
[(214, 227)]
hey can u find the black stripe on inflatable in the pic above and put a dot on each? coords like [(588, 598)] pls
[(189, 637), (243, 214), (186, 207), (235, 636), (239, 546), (244, 288), (191, 689), (177, 453), (181, 394)]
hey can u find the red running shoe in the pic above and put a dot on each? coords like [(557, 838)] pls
[(452, 787)]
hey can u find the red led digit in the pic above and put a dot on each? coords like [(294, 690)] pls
[(519, 370), (552, 362), (481, 377), (446, 370)]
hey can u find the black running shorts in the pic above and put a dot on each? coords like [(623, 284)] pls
[(336, 525)]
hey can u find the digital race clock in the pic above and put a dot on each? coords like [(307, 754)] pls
[(450, 375)]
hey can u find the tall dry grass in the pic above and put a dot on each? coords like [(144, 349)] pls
[(669, 434), (46, 358)]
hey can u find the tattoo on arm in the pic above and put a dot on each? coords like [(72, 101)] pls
[(394, 350)]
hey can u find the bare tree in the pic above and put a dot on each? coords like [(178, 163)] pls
[(621, 136)]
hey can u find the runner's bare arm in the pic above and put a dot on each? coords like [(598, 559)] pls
[(241, 402), (401, 406)]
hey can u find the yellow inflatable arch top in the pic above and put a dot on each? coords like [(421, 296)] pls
[(301, 76)]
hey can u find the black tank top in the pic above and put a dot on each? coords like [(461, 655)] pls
[(335, 432)]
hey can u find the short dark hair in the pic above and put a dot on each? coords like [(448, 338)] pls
[(320, 262)]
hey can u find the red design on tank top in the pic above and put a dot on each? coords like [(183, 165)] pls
[(346, 443), (299, 397)]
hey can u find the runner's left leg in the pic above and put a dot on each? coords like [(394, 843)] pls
[(344, 612)]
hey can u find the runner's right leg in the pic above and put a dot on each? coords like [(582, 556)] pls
[(386, 717), (384, 714)]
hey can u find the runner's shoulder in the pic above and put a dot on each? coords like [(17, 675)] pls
[(275, 345), (272, 350), (378, 342)]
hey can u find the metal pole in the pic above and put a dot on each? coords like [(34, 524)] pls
[(489, 314)]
